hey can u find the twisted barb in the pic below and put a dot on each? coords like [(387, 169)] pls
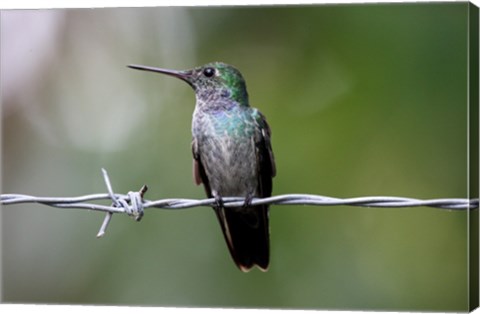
[(133, 203)]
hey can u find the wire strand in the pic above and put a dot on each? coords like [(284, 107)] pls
[(133, 203)]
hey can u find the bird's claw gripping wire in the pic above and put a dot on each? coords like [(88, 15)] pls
[(248, 201)]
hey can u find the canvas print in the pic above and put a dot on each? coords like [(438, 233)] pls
[(286, 157)]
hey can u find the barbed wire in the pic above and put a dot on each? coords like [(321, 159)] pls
[(133, 203)]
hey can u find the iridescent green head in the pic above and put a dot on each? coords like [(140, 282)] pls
[(211, 81)]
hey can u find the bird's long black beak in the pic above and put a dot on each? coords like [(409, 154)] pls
[(183, 75)]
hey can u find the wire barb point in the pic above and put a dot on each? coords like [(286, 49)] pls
[(104, 226)]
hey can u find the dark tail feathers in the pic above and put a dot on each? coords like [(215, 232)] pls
[(247, 235)]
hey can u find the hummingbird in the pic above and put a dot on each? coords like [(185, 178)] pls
[(232, 157)]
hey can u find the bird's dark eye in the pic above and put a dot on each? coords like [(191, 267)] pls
[(209, 72)]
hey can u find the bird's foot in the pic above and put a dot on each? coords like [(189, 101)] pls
[(248, 201), (218, 201)]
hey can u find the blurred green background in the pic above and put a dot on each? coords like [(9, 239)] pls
[(362, 100)]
